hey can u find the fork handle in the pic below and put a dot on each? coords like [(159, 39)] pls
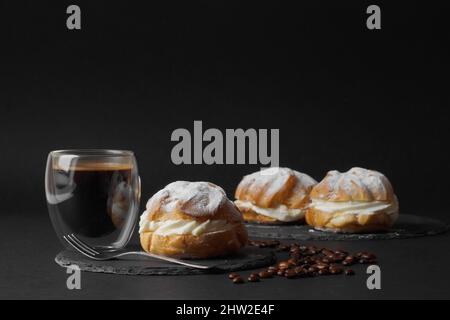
[(177, 261)]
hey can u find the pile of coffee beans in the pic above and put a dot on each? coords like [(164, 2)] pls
[(306, 262)]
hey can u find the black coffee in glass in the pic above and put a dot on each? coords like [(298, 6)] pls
[(93, 196)]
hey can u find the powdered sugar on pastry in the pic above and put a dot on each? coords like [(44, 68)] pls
[(358, 200), (357, 184), (276, 178), (269, 182), (280, 194), (193, 198)]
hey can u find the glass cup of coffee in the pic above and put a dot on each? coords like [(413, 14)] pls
[(93, 194)]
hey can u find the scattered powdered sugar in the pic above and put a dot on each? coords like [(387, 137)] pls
[(194, 198), (275, 178), (373, 182)]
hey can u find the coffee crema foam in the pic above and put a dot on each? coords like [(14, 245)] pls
[(94, 166)]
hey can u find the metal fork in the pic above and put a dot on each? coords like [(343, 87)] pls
[(94, 254)]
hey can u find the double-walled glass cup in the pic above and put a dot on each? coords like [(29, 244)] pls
[(93, 194)]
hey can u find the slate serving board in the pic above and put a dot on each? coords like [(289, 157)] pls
[(247, 258), (407, 226)]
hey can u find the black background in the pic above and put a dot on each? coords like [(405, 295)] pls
[(341, 95)]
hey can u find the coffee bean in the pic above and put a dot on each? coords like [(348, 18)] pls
[(363, 261), (253, 278), (349, 272), (272, 243), (290, 274), (272, 272), (296, 256), (336, 270), (326, 260), (306, 261), (273, 269), (238, 280), (349, 260), (321, 266), (368, 256), (338, 258), (365, 256), (299, 270), (253, 243), (293, 262), (312, 271), (281, 272), (323, 272), (305, 266), (265, 275), (264, 244)]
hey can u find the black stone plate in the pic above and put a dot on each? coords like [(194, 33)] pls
[(247, 258), (407, 226)]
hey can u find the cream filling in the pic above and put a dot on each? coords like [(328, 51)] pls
[(355, 207), (182, 227), (281, 213)]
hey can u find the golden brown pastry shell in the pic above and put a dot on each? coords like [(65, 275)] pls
[(292, 193), (205, 245)]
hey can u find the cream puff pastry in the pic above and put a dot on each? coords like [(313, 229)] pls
[(357, 201), (192, 220), (274, 196)]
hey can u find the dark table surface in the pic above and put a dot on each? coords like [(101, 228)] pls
[(410, 268)]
